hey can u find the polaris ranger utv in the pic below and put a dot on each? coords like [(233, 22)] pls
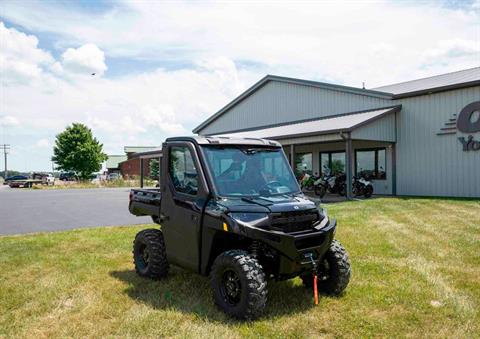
[(232, 209)]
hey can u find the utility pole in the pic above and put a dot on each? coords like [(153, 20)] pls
[(5, 147)]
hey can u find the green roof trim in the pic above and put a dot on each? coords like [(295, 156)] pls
[(114, 160)]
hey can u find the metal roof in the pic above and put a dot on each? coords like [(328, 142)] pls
[(114, 160), (327, 125), (459, 79), (266, 79), (136, 149), (443, 81)]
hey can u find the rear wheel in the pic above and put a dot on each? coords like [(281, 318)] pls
[(149, 255), (239, 286), (334, 271), (368, 191)]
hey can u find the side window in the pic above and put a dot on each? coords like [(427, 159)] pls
[(182, 170)]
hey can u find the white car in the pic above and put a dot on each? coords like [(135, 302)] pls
[(114, 176), (98, 179)]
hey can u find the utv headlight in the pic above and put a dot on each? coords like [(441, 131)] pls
[(251, 219), (323, 218)]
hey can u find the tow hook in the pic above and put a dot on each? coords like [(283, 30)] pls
[(314, 273)]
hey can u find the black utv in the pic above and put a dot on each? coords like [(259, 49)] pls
[(232, 209)]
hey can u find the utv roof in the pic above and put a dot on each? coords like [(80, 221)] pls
[(206, 140)]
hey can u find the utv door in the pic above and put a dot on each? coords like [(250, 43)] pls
[(184, 193)]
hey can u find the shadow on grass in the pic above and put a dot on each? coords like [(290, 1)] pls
[(191, 293)]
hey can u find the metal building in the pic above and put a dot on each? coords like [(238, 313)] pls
[(419, 137)]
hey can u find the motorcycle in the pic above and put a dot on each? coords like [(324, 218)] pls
[(362, 186), (330, 183), (307, 182)]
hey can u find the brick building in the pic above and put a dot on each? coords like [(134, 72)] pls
[(131, 165)]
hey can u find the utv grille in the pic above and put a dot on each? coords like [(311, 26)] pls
[(294, 221)]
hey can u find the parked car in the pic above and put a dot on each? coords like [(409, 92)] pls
[(68, 176), (114, 176), (98, 178), (243, 229), (14, 177)]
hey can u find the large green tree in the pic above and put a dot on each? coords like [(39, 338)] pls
[(77, 150)]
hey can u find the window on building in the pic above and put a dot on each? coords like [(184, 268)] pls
[(371, 163), (303, 163), (333, 162), (182, 170)]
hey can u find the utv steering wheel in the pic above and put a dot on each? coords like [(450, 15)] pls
[(270, 184)]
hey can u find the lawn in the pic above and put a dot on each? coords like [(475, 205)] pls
[(100, 184), (416, 273)]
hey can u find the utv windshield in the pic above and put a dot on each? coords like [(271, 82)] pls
[(246, 172)]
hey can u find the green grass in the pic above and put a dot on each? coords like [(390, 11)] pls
[(416, 273), (88, 184)]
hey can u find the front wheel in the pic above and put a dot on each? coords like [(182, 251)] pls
[(149, 254), (334, 271), (320, 190), (239, 286)]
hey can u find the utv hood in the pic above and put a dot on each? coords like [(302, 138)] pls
[(272, 204)]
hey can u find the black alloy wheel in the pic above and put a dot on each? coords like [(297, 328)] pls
[(239, 285), (149, 254), (231, 288)]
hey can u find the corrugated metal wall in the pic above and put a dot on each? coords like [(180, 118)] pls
[(382, 129), (431, 164), (427, 164), (279, 102)]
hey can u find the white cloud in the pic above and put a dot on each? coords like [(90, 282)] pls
[(226, 47), (8, 121), (455, 48), (20, 58), (348, 42), (84, 60), (42, 143)]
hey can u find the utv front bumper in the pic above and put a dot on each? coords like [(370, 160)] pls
[(295, 250)]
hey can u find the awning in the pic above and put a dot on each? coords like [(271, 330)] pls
[(154, 153), (329, 125)]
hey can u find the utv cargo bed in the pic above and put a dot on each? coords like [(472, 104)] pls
[(145, 202)]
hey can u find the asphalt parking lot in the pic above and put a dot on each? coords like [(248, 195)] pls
[(27, 211)]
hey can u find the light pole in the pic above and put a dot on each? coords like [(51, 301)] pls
[(5, 147)]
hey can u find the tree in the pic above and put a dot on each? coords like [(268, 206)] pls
[(154, 169), (337, 166), (76, 150)]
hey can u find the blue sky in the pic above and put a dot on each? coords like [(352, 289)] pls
[(163, 67)]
